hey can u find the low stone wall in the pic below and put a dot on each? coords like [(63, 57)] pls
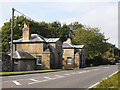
[(5, 63)]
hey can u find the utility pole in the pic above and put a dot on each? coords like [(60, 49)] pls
[(12, 24)]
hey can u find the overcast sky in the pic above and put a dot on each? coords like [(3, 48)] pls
[(95, 13)]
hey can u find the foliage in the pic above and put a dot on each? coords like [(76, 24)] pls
[(95, 43), (93, 40), (54, 29)]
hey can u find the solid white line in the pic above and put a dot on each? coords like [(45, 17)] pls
[(102, 80), (94, 85), (34, 80), (17, 83), (113, 73)]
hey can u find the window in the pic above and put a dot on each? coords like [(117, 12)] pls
[(15, 61), (69, 60), (39, 60)]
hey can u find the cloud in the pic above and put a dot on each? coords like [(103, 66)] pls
[(104, 17)]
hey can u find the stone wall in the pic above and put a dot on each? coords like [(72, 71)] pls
[(5, 63), (24, 65), (68, 53)]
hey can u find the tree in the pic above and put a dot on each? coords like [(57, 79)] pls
[(50, 30), (93, 40)]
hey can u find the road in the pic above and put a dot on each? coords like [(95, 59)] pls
[(78, 78)]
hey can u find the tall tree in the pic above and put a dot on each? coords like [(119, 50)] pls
[(93, 40)]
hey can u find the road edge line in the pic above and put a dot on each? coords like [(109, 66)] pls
[(102, 80)]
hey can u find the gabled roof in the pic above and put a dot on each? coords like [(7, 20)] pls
[(78, 46), (67, 45), (51, 39), (70, 45), (37, 38), (22, 55)]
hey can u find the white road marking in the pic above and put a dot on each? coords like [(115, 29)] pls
[(94, 85), (102, 80), (73, 73), (80, 72), (96, 69), (113, 73), (66, 74), (2, 77), (105, 67), (59, 76), (17, 83), (47, 77), (34, 80), (38, 82)]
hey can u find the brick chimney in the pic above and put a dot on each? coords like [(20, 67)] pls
[(26, 32)]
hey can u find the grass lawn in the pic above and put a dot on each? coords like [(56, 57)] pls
[(112, 83)]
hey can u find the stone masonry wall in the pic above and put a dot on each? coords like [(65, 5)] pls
[(5, 63)]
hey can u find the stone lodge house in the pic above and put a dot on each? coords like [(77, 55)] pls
[(34, 52), (73, 55)]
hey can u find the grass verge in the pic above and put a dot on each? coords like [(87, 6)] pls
[(28, 72), (112, 83)]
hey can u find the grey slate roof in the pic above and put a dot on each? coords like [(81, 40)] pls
[(22, 55), (70, 45), (37, 38)]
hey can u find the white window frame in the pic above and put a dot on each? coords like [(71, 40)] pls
[(69, 60), (39, 57)]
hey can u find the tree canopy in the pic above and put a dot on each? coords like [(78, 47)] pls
[(54, 29), (94, 41)]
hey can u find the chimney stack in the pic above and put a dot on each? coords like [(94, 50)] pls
[(69, 40), (26, 32)]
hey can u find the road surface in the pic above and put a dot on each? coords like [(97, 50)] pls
[(78, 78)]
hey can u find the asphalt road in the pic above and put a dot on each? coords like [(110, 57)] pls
[(78, 78)]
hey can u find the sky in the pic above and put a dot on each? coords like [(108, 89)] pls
[(102, 14)]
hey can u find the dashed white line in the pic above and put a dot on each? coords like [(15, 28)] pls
[(17, 83), (34, 80), (67, 74), (47, 77), (73, 73), (38, 82), (59, 76), (96, 69)]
